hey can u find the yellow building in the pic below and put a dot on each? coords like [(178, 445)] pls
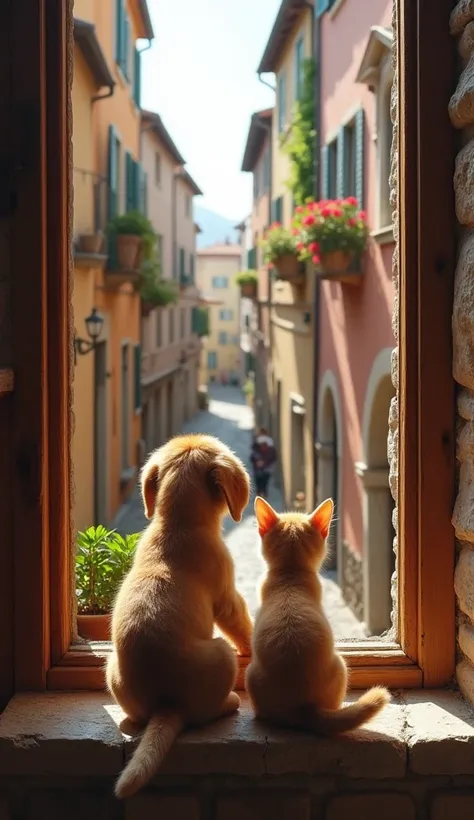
[(216, 269), (108, 180), (291, 366)]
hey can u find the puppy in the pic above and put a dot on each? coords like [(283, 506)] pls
[(296, 677), (167, 671)]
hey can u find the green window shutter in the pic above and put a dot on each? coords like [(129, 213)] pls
[(138, 376), (119, 15), (341, 163), (325, 172), (191, 267), (113, 177), (272, 211), (279, 209), (137, 185), (322, 6), (137, 81), (359, 156), (129, 205), (125, 42), (182, 265)]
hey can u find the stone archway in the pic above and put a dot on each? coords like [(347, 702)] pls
[(329, 458), (378, 555)]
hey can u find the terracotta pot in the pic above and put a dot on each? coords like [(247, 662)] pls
[(288, 266), (249, 290), (336, 261), (90, 243), (128, 250), (94, 627)]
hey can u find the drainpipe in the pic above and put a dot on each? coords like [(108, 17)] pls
[(316, 46)]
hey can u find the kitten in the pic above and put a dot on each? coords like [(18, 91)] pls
[(296, 677)]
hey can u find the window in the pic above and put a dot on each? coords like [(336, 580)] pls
[(226, 315), (123, 39), (332, 177), (135, 185), (182, 323), (220, 282), (342, 161), (192, 273), (171, 325), (125, 406), (211, 360), (114, 172), (276, 210), (137, 77), (350, 154), (222, 337), (281, 102), (426, 654), (157, 169), (299, 64), (159, 326)]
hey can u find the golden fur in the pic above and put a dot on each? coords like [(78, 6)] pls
[(167, 671), (296, 677)]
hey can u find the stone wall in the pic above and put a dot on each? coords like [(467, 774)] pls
[(461, 111)]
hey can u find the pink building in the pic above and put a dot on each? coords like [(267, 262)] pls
[(355, 320)]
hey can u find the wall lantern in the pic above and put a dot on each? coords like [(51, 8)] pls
[(94, 324)]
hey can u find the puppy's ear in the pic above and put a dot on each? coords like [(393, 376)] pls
[(266, 516), (149, 480), (231, 476), (321, 518)]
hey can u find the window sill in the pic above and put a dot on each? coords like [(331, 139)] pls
[(383, 236), (420, 732)]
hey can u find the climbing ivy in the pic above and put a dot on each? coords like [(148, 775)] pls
[(298, 144)]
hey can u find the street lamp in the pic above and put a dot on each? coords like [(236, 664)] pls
[(94, 324)]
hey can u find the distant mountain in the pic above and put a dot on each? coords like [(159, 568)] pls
[(214, 227)]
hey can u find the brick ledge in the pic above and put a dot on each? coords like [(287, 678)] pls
[(60, 734)]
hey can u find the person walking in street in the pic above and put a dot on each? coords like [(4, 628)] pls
[(263, 457)]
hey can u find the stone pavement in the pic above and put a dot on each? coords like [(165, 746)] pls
[(231, 420)]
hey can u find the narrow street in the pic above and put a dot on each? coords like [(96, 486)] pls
[(231, 420)]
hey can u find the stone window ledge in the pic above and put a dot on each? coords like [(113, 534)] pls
[(59, 734)]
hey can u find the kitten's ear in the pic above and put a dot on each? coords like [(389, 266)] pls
[(321, 518), (149, 481), (266, 516)]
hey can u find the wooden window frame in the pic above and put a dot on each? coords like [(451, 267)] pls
[(37, 561)]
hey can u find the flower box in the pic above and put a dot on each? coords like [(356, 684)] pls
[(340, 266), (248, 290), (288, 267)]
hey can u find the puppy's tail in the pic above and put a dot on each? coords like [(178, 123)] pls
[(333, 722), (155, 743)]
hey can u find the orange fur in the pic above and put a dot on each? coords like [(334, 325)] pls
[(296, 677), (167, 671)]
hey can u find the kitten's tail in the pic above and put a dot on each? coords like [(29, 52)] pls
[(332, 722), (155, 743)]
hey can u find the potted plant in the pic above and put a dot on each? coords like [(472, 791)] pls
[(103, 559), (247, 280), (134, 237), (90, 243), (155, 292), (332, 233), (249, 391), (280, 251)]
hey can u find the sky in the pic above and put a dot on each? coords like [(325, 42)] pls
[(200, 76)]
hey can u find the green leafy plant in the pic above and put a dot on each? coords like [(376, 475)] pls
[(103, 558), (136, 224), (249, 388), (156, 291), (298, 144), (330, 225), (278, 242), (201, 321), (247, 277)]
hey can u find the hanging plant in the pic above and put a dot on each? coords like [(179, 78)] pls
[(298, 144)]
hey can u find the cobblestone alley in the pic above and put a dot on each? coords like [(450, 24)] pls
[(231, 420)]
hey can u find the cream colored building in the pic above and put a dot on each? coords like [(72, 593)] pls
[(170, 361), (290, 373), (217, 267)]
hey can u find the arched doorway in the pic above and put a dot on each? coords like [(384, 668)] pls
[(328, 451), (378, 555)]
